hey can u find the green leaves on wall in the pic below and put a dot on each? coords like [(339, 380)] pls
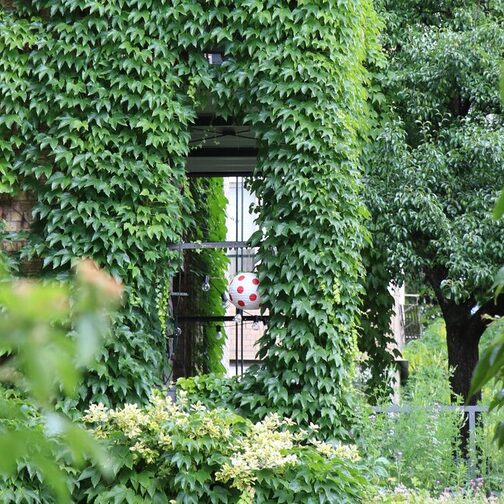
[(111, 89), (302, 79)]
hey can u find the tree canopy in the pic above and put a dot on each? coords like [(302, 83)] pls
[(436, 166)]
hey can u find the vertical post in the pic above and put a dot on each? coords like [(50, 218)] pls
[(241, 347), (472, 440), (242, 268), (236, 348), (237, 220), (242, 219)]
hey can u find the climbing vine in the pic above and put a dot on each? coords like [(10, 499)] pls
[(375, 339), (15, 123), (104, 150), (300, 72), (210, 225), (111, 89)]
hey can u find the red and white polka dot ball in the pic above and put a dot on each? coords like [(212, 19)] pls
[(243, 291)]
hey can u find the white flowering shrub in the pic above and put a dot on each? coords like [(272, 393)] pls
[(186, 453)]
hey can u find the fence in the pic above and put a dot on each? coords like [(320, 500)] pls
[(411, 317), (471, 414)]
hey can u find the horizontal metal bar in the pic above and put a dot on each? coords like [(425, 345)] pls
[(195, 174), (224, 318), (211, 152), (442, 407), (222, 165), (214, 120), (208, 245), (249, 362)]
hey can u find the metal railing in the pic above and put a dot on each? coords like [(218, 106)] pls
[(411, 316)]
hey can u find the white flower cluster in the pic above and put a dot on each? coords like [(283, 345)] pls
[(329, 450), (96, 413), (150, 427), (263, 447), (129, 419), (349, 452), (141, 450), (165, 426)]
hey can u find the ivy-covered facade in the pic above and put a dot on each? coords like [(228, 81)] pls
[(97, 99)]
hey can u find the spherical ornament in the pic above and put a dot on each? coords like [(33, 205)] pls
[(243, 291)]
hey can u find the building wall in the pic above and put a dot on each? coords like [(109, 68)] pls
[(16, 212), (16, 215)]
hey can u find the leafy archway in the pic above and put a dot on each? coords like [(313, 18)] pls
[(97, 99)]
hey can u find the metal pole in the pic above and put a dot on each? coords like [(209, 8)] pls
[(237, 216), (236, 349), (207, 245), (224, 318), (241, 221), (472, 441), (241, 347), (241, 256)]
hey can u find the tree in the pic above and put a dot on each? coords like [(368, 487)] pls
[(491, 364), (435, 167)]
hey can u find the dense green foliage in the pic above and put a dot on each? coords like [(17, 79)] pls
[(185, 452), (15, 123), (310, 214), (209, 225), (103, 95), (213, 391), (181, 451), (491, 365), (376, 340), (420, 445), (96, 131), (403, 495), (438, 161), (96, 101)]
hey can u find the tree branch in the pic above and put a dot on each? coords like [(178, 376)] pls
[(477, 324), (435, 276)]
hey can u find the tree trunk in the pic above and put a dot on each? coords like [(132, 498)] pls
[(463, 355), (464, 329), (462, 358)]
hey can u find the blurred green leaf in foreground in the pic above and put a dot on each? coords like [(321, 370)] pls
[(49, 333)]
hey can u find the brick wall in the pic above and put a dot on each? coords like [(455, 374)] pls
[(16, 212)]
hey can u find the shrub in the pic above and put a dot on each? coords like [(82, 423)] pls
[(212, 390), (49, 332), (183, 452), (421, 446), (34, 475), (401, 494)]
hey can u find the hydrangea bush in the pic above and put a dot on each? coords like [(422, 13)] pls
[(185, 452)]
